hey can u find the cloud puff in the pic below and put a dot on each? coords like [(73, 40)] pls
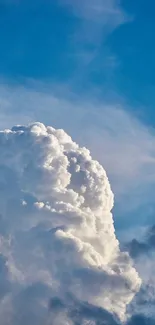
[(143, 252), (57, 238), (144, 246), (117, 138)]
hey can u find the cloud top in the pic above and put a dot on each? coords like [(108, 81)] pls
[(57, 237)]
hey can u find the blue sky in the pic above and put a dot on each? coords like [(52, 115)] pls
[(86, 66), (52, 41), (64, 62)]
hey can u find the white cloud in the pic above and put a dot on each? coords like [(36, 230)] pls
[(56, 229), (126, 147), (122, 143)]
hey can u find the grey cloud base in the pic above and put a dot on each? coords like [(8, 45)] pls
[(60, 260), (143, 253)]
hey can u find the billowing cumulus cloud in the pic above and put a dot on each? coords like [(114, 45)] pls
[(60, 261)]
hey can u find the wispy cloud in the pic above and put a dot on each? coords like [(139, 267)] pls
[(116, 138), (96, 19), (99, 11)]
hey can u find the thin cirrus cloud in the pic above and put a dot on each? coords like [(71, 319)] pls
[(122, 143), (96, 19), (100, 11)]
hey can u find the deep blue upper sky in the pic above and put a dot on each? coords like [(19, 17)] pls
[(34, 40), (43, 40), (134, 44)]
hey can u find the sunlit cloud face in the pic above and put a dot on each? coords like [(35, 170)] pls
[(55, 229), (119, 140)]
